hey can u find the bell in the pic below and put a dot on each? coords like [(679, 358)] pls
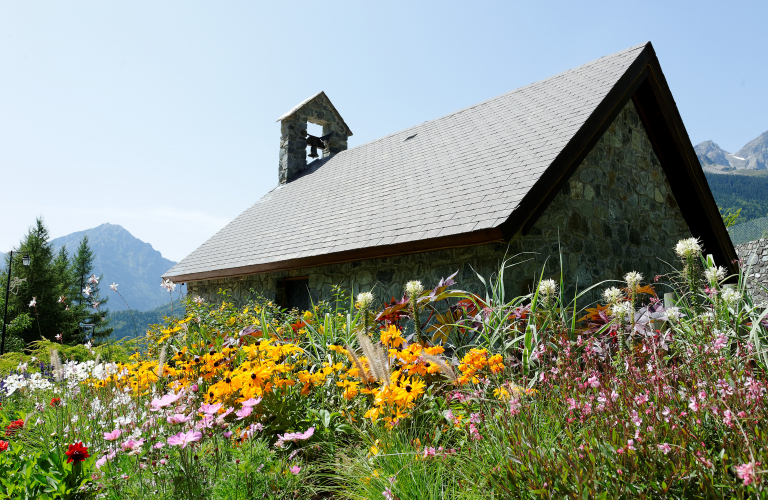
[(313, 152)]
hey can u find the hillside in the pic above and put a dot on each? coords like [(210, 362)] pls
[(749, 193), (752, 157), (124, 259), (123, 325)]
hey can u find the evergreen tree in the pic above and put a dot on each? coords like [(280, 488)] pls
[(86, 301), (44, 284)]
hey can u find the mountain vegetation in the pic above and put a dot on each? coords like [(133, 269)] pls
[(132, 324), (748, 193), (126, 260)]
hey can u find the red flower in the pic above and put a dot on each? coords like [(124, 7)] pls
[(77, 453), (3, 445), (55, 401), (13, 427)]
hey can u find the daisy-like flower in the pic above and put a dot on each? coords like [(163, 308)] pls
[(297, 436), (413, 289), (612, 295), (178, 419), (93, 279), (113, 286), (244, 412), (166, 400), (295, 470), (209, 409), (111, 436), (633, 279), (688, 248), (87, 290), (252, 402), (365, 299)]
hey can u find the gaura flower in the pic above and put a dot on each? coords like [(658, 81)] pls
[(76, 453), (746, 472), (665, 448), (62, 298), (198, 300), (87, 290), (168, 285), (113, 286), (93, 279), (33, 303), (184, 438)]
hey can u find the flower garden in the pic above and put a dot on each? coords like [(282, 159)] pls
[(656, 391)]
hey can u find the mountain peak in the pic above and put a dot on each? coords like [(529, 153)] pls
[(710, 153), (755, 152)]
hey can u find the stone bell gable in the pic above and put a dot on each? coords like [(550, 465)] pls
[(592, 165), (319, 110)]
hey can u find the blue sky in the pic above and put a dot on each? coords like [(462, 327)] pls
[(160, 116)]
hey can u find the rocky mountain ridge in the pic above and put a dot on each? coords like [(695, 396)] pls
[(753, 156)]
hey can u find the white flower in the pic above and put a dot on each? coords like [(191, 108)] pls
[(22, 367), (730, 295), (714, 275), (93, 279), (62, 298), (88, 345), (365, 299), (633, 279), (688, 248), (95, 304), (113, 286), (198, 300), (33, 303), (612, 295), (621, 310), (168, 285), (673, 313), (413, 288), (87, 290), (548, 288)]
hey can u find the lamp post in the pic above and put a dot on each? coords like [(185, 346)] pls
[(24, 260)]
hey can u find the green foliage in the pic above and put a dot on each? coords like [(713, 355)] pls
[(80, 272), (122, 322), (733, 192), (730, 216)]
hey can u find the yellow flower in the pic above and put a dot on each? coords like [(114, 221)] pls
[(392, 336)]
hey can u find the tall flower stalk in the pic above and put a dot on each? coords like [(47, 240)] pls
[(413, 289)]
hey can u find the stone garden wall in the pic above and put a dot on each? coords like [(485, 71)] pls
[(616, 214), (754, 258)]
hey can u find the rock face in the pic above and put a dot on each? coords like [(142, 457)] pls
[(126, 260), (755, 152), (600, 221), (710, 153), (753, 156)]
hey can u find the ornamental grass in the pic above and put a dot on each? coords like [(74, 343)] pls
[(656, 391)]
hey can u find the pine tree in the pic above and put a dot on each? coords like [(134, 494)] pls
[(87, 303), (44, 283)]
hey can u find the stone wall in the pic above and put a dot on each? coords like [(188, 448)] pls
[(754, 257), (616, 214)]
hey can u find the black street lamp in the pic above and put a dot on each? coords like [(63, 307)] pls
[(24, 260)]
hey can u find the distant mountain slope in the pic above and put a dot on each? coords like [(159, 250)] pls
[(2, 260), (756, 152), (753, 156), (126, 260), (749, 193), (123, 324)]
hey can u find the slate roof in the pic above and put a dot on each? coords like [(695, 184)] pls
[(464, 172)]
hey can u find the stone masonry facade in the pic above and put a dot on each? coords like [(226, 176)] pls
[(754, 257), (616, 214)]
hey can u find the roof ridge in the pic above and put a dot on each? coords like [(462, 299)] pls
[(472, 106)]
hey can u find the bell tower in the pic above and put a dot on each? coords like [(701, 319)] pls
[(294, 139)]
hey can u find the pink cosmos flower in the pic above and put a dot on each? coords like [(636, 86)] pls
[(251, 402), (178, 419), (210, 409), (295, 470), (244, 412), (111, 436), (297, 436), (184, 438), (132, 445), (228, 434), (103, 460), (665, 448), (158, 445), (746, 473), (220, 418), (166, 400)]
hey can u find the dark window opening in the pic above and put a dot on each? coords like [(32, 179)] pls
[(317, 131), (295, 293)]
